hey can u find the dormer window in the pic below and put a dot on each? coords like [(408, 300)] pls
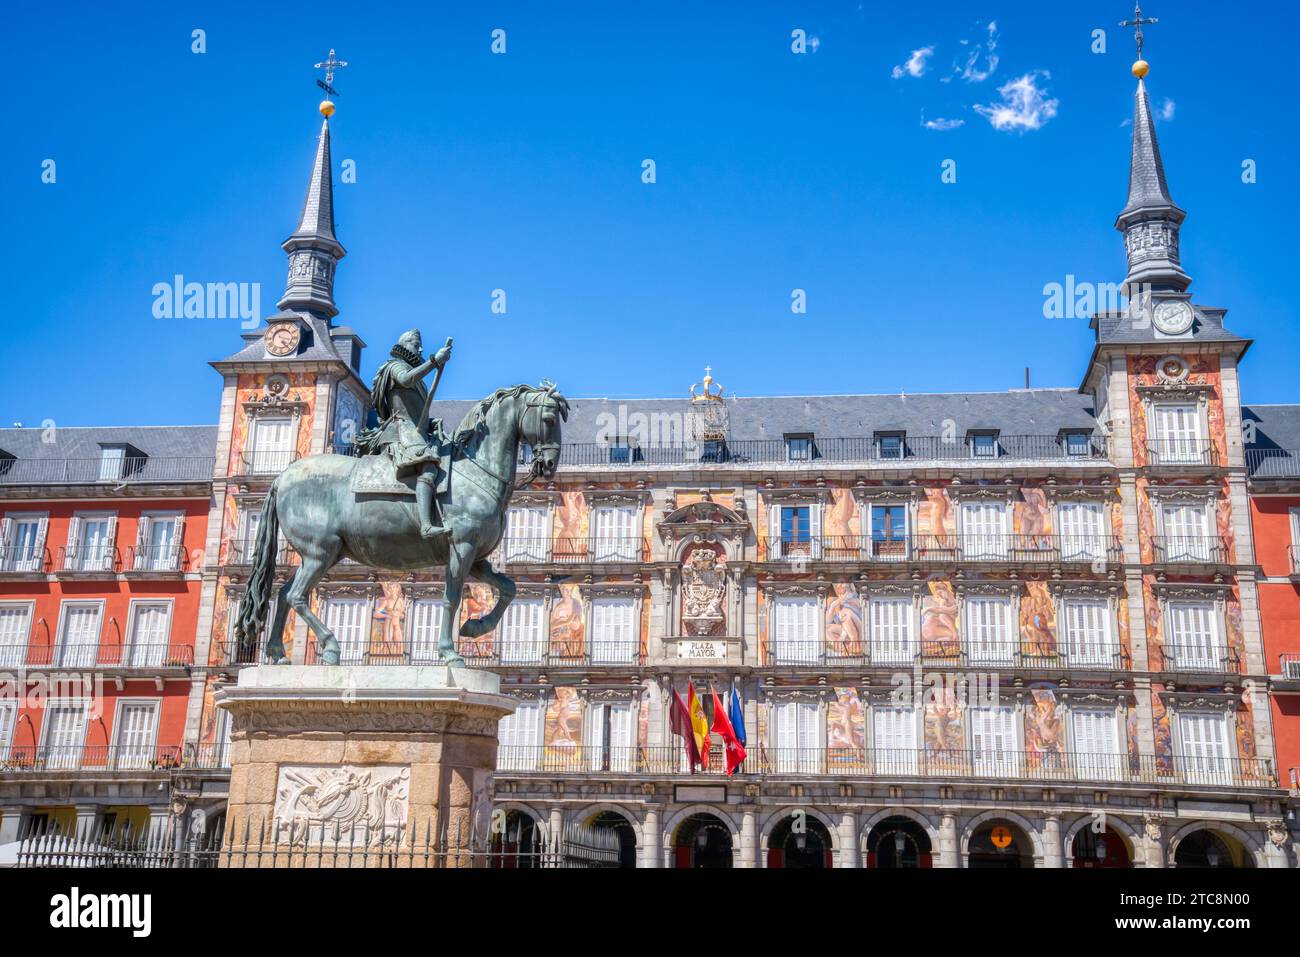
[(623, 452), (983, 445), (1078, 443), (800, 448), (112, 462), (713, 450), (889, 445)]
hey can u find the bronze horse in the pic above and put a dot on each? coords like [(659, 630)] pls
[(312, 503)]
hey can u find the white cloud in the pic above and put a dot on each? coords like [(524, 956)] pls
[(982, 60), (1167, 110), (1024, 106), (915, 65), (941, 124)]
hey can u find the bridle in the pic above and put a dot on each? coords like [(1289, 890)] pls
[(544, 400)]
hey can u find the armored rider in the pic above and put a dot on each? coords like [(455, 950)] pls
[(400, 397)]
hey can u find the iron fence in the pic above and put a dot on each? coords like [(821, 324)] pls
[(81, 758), (133, 470), (571, 551), (950, 549), (143, 656), (954, 653), (1199, 657), (1190, 549), (1273, 463)]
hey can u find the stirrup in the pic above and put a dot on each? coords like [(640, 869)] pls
[(432, 533)]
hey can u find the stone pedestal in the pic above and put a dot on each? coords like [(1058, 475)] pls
[(391, 761)]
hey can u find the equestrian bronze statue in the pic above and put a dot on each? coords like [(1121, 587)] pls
[(373, 507)]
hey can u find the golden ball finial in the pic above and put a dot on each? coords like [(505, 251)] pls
[(1141, 68), (326, 108)]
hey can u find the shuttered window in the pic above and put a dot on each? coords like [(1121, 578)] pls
[(79, 644), (796, 737), (1193, 636), (1178, 433), (150, 630), (612, 631), (994, 742), (519, 738), (890, 623), (795, 632), (1087, 633), (1185, 532), (894, 740), (521, 632), (349, 619), (273, 442), (135, 734), (426, 629), (65, 727), (8, 716), (609, 736), (1082, 531), (25, 543), (984, 530), (988, 630), (526, 539), (1205, 757), (615, 533), (1096, 750), (15, 626)]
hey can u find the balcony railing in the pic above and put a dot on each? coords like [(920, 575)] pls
[(1181, 452), (1010, 654), (570, 551), (1201, 658), (265, 462), (23, 758), (123, 657), (1290, 666), (1189, 549), (669, 760), (1004, 450), (156, 558), (243, 551), (213, 756), (230, 652), (135, 470), (487, 653), (23, 560), (87, 559), (1273, 463), (949, 549)]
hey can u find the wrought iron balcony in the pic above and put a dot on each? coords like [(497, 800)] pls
[(891, 763), (1189, 549), (951, 549), (487, 652), (88, 471), (214, 756), (1010, 655), (23, 560), (1290, 666), (1200, 658), (229, 652), (1181, 452), (264, 462), (242, 552), (144, 657), (87, 560), (570, 551), (1273, 463), (45, 759), (157, 559)]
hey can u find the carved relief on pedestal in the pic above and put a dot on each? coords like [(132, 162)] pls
[(345, 802), (704, 591)]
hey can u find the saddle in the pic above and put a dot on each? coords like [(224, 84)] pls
[(376, 474)]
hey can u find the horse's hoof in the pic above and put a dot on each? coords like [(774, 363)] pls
[(283, 660), (455, 661)]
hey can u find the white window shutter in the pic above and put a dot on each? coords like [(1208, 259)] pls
[(815, 528), (773, 530)]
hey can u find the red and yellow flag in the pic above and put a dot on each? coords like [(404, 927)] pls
[(699, 724)]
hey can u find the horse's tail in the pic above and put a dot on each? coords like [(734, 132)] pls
[(252, 610)]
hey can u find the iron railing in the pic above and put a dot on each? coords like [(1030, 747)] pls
[(950, 549), (134, 470), (213, 756), (1273, 463), (1289, 665), (128, 757), (145, 656), (87, 559), (1189, 549), (243, 551), (487, 652), (1181, 452), (570, 551), (1199, 658), (156, 558), (23, 559), (266, 462), (231, 652), (1009, 654), (670, 760)]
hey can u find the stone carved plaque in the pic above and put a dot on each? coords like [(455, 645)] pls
[(704, 586), (358, 804)]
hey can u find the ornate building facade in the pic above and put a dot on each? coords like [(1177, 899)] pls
[(973, 629)]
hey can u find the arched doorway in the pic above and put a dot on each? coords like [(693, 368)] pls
[(800, 842), (623, 830), (1210, 849), (518, 844), (1000, 844), (898, 842), (1099, 849), (702, 840)]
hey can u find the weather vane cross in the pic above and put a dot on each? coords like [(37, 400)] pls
[(1138, 21), (329, 65)]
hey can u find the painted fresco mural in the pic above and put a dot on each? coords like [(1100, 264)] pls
[(1037, 620), (939, 633), (1203, 370), (843, 626), (1164, 737), (563, 726), (250, 389), (1044, 727), (945, 734), (845, 729), (566, 626)]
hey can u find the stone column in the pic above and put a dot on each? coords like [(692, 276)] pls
[(848, 834), (1151, 838), (949, 852), (652, 840), (748, 850), (555, 822), (415, 746), (88, 817), (1053, 852)]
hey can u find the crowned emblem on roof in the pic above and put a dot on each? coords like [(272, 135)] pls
[(709, 420)]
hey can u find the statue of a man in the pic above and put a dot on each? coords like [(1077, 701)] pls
[(399, 395)]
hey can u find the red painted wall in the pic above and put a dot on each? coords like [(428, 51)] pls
[(1279, 610)]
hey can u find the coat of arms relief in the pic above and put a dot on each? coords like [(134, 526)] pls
[(347, 803), (704, 589)]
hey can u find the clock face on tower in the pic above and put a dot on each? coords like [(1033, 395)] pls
[(1173, 318), (282, 338)]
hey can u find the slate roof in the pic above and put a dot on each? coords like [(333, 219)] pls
[(1117, 327), (1275, 449), (171, 453), (1147, 187)]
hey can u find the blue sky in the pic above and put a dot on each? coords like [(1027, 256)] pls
[(775, 172)]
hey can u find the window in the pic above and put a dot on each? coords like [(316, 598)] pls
[(150, 631), (713, 450), (988, 630), (24, 541), (273, 442), (1193, 636), (612, 631), (1087, 634), (1185, 532), (889, 445), (609, 736), (519, 737), (526, 538), (983, 527), (349, 619), (521, 632), (984, 445), (1096, 752), (221, 746), (426, 629), (1205, 756), (1082, 531), (889, 620), (8, 716), (64, 734), (623, 452), (90, 543), (79, 634), (252, 521), (889, 532), (135, 729), (1177, 433), (158, 542), (616, 536), (795, 632), (795, 531), (799, 448), (15, 627), (893, 737), (796, 737), (994, 742), (112, 462), (1078, 443)]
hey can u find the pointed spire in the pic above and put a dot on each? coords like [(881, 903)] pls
[(314, 250), (1146, 176)]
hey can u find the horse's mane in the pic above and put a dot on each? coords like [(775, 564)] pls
[(476, 418)]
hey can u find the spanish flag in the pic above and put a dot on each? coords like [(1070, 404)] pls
[(680, 722), (699, 724)]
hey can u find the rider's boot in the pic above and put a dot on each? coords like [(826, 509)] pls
[(424, 500)]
